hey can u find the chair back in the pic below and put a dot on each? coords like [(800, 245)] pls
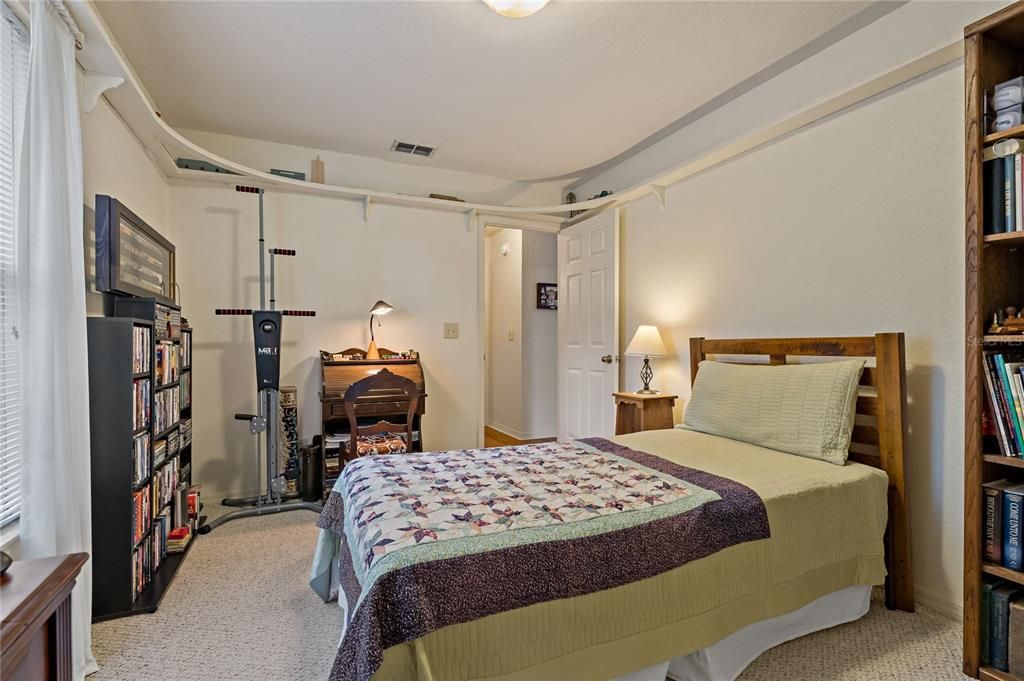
[(386, 385)]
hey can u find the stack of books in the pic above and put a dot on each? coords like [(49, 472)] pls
[(1002, 626), (186, 389), (140, 404), (140, 514), (1002, 508), (178, 539), (1004, 193), (166, 410), (158, 540), (140, 349), (186, 432), (1004, 383), (166, 363), (141, 569), (140, 458), (159, 452)]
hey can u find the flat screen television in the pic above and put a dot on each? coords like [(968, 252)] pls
[(132, 258)]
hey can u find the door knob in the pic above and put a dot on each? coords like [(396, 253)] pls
[(608, 359)]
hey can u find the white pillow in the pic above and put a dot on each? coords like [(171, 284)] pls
[(802, 409)]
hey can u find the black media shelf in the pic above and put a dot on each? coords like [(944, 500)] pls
[(149, 598), (120, 564), (161, 436)]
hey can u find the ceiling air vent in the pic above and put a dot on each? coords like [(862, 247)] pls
[(410, 148)]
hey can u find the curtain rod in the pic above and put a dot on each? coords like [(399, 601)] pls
[(20, 11), (69, 21)]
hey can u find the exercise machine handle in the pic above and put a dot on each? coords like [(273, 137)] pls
[(245, 417), (232, 311)]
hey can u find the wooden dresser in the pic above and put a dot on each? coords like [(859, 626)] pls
[(35, 635), (336, 377)]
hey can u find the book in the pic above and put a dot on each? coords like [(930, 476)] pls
[(986, 619), (1013, 548), (1015, 638), (1011, 409), (999, 623), (992, 519), (997, 410), (994, 210), (1009, 200), (1018, 194)]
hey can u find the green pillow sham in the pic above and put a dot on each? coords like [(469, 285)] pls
[(802, 409)]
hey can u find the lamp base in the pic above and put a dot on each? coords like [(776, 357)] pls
[(371, 352), (646, 374)]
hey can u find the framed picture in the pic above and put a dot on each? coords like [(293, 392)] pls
[(131, 257), (547, 296)]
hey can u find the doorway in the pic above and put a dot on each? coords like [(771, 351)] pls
[(520, 335)]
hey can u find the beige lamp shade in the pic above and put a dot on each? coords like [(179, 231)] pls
[(647, 343)]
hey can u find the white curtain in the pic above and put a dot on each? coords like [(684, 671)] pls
[(55, 514)]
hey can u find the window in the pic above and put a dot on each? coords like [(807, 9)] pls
[(13, 76)]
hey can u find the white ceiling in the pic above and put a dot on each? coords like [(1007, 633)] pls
[(570, 87)]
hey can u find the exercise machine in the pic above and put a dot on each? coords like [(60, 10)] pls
[(266, 331)]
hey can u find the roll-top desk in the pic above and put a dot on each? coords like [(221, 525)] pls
[(336, 377)]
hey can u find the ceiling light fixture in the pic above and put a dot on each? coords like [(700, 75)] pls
[(516, 9)]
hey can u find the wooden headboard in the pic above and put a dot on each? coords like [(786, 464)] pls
[(878, 429)]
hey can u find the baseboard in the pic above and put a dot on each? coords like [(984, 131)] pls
[(938, 603), (505, 430)]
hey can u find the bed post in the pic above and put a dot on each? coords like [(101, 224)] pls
[(890, 355), (696, 356)]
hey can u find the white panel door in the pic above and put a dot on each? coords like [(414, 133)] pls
[(588, 326)]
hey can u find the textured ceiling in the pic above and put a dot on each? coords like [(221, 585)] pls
[(547, 96)]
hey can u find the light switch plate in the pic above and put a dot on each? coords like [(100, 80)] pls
[(451, 331)]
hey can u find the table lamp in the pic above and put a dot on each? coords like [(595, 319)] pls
[(379, 308), (646, 343)]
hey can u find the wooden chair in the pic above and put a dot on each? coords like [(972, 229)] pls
[(383, 437)]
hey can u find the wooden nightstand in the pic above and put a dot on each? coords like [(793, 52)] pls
[(635, 412)]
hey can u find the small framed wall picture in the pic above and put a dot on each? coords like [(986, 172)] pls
[(547, 296)]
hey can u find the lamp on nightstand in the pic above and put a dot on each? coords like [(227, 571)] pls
[(647, 343)]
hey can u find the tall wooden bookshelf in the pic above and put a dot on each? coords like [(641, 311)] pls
[(993, 53), (115, 379)]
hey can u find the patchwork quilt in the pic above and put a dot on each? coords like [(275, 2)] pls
[(424, 541)]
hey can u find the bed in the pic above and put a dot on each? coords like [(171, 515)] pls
[(718, 549)]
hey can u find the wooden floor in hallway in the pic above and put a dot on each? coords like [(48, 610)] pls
[(496, 438)]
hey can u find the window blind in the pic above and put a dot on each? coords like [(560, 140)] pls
[(13, 77)]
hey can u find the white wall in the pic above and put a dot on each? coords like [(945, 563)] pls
[(850, 227), (423, 262), (505, 331), (115, 164), (540, 338)]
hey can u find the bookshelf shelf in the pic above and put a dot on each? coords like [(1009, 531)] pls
[(1003, 573), (1000, 460), (165, 386), (161, 436), (1005, 239), (144, 374), (990, 674), (1005, 339), (1009, 133)]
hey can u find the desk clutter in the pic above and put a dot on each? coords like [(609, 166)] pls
[(337, 375)]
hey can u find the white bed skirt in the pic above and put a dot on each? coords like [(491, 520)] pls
[(726, 660)]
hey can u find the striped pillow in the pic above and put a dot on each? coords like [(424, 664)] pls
[(802, 409)]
